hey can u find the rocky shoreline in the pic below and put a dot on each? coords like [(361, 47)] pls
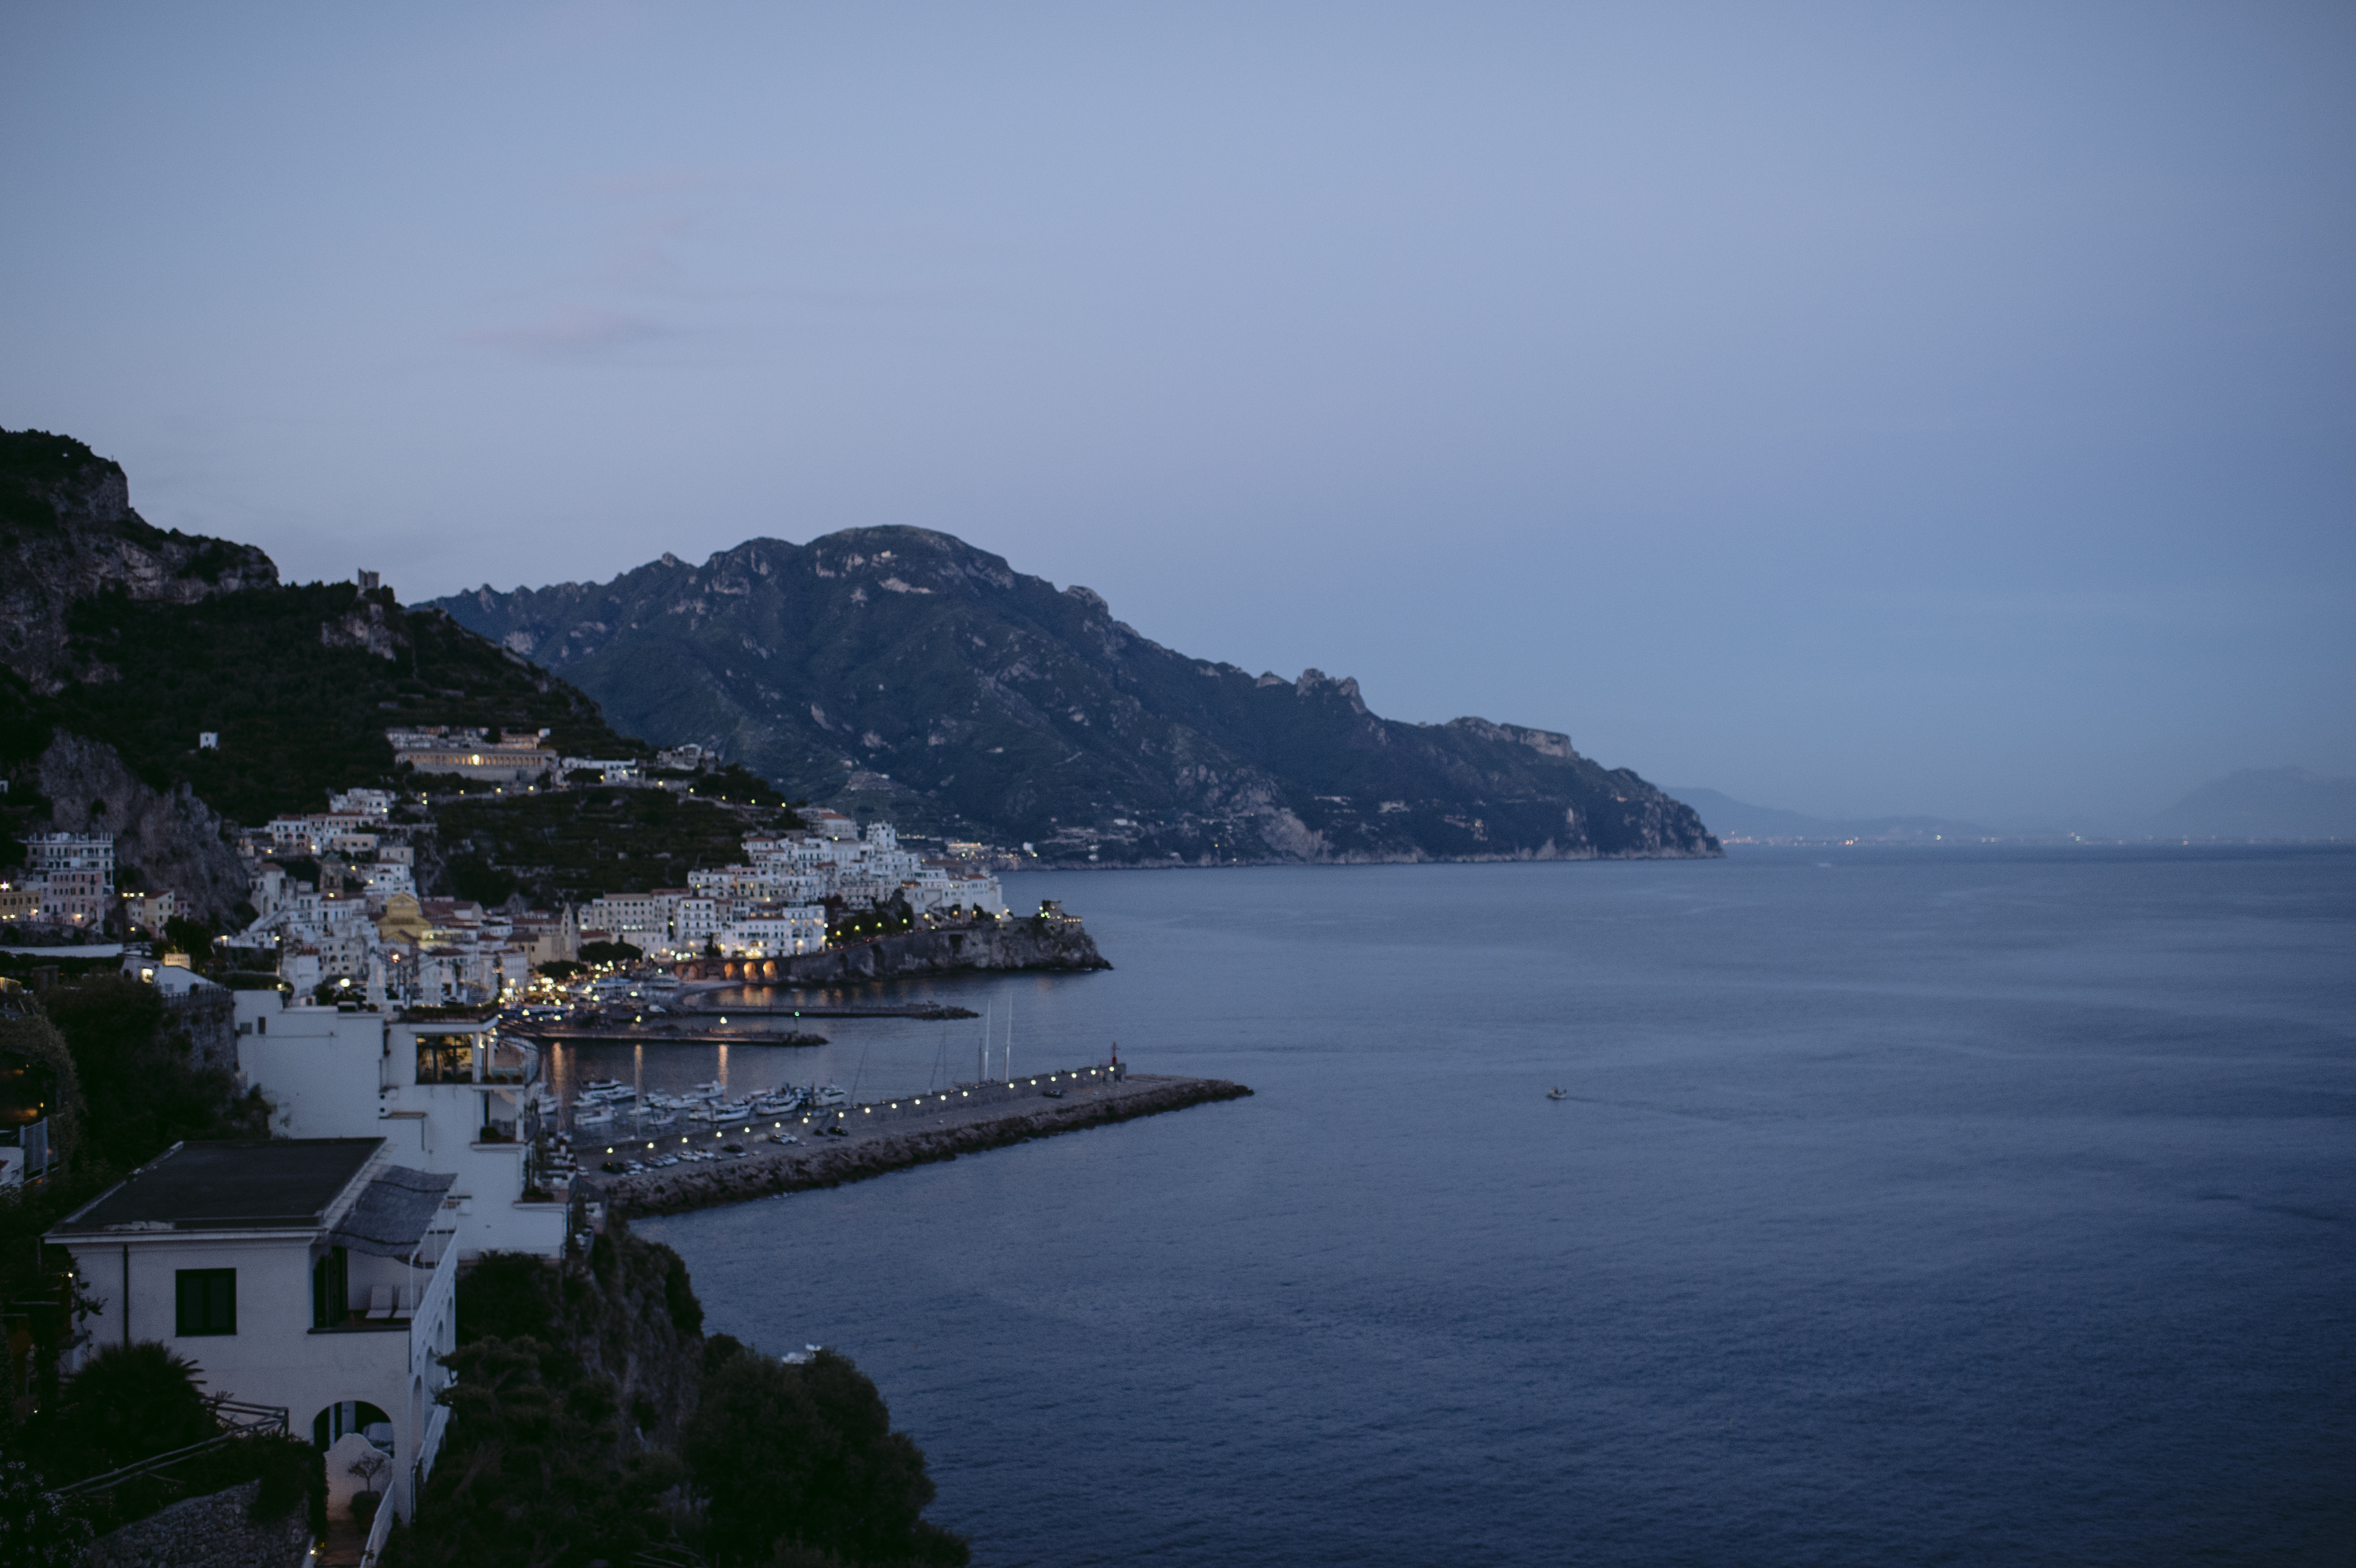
[(902, 1142)]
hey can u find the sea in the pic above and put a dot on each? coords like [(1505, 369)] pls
[(1956, 1205)]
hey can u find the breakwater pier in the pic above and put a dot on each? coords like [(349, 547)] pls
[(681, 1171), (626, 1036), (693, 1007)]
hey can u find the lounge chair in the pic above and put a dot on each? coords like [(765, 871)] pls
[(379, 1302)]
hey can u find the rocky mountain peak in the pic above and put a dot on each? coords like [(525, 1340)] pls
[(68, 532), (903, 672)]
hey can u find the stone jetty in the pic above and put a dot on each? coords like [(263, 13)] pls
[(890, 1136)]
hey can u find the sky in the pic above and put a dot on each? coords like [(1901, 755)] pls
[(1856, 409)]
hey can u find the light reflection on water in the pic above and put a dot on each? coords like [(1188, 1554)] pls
[(872, 1058)]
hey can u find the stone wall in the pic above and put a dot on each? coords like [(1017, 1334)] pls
[(209, 1016), (216, 1531)]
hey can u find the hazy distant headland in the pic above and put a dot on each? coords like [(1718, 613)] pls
[(903, 673), (2256, 805)]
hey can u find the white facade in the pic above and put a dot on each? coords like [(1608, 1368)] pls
[(374, 804), (448, 1096), (610, 769), (270, 1291), (643, 918), (775, 933), (695, 922)]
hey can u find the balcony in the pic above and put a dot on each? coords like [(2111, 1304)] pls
[(389, 1295)]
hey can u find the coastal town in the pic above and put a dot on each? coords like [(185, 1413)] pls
[(358, 922), (397, 1045)]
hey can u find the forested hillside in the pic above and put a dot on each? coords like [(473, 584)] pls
[(144, 639)]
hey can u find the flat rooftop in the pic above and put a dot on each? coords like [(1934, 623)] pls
[(281, 1184)]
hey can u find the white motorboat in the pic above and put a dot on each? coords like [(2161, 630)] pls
[(828, 1096)]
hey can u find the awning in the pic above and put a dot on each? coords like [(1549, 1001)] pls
[(393, 1212)]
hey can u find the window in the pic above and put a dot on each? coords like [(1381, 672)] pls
[(445, 1058), (208, 1301)]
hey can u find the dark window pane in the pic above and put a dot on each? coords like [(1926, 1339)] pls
[(206, 1301)]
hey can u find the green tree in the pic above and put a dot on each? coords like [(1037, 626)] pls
[(800, 1463), (140, 1087), (128, 1403), (507, 1295), (529, 1475)]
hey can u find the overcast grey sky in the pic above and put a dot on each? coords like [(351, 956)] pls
[(1870, 408)]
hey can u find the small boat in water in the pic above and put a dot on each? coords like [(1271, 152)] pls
[(828, 1097), (1557, 1093)]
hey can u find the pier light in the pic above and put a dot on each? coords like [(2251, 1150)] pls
[(649, 1146), (962, 1093), (868, 1109)]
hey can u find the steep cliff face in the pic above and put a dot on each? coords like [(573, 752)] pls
[(68, 533), (163, 838), (900, 671)]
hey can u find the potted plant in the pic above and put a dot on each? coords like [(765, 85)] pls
[(369, 1498)]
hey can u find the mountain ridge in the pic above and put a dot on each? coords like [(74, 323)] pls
[(2281, 804), (902, 671)]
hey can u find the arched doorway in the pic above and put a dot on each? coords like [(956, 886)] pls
[(351, 1415)]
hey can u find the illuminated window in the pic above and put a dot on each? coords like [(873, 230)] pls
[(445, 1058)]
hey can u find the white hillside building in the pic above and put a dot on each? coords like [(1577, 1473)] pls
[(449, 1095), (318, 1275)]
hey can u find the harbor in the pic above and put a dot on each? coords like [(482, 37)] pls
[(752, 1158)]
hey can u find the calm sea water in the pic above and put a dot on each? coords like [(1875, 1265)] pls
[(1955, 1207)]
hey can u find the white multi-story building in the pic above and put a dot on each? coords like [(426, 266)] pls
[(452, 1094), (774, 932), (827, 824), (374, 804), (316, 1275), (470, 753), (609, 769), (694, 921), (643, 919)]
